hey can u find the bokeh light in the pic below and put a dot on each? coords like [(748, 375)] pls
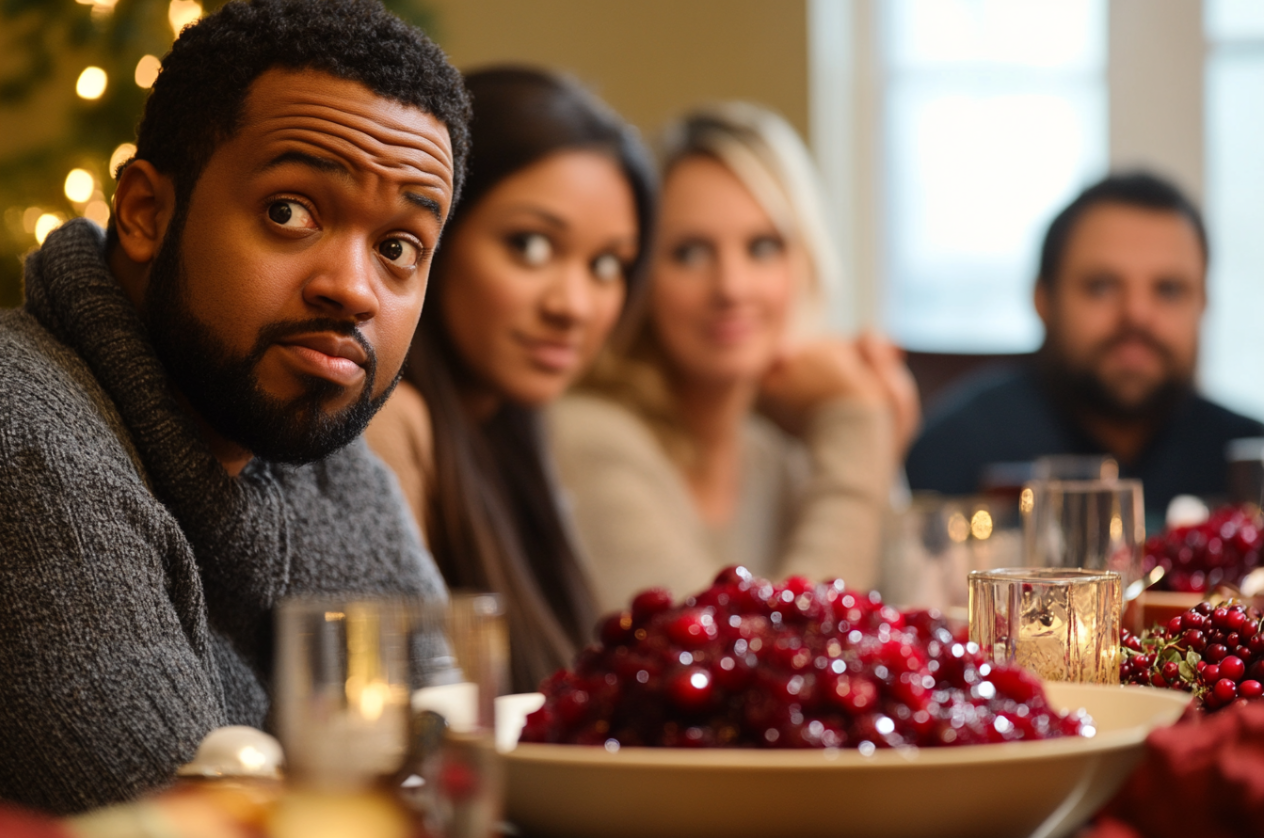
[(98, 212), (183, 12), (29, 217), (147, 71), (47, 223), (80, 184), (91, 83), (120, 156)]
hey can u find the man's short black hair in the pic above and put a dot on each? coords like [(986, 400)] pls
[(198, 99), (1134, 189)]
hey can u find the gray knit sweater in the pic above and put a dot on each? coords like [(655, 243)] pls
[(137, 579)]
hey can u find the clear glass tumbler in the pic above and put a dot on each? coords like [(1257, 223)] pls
[(1060, 623), (462, 790), (1090, 524)]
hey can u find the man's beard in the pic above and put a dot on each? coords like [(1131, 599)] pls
[(1085, 391), (224, 389)]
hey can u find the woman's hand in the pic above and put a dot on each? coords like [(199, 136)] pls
[(869, 369), (806, 376), (887, 362)]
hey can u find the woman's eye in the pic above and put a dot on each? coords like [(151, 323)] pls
[(691, 255), (399, 252), (534, 249), (607, 267), (766, 247), (290, 214)]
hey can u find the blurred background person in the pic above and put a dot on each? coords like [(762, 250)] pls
[(672, 471), (1121, 292), (539, 261)]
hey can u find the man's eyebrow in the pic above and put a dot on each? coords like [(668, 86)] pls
[(426, 204), (323, 164)]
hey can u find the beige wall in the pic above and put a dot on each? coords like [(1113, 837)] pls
[(649, 59)]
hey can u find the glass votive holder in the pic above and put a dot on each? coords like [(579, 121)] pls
[(1060, 623)]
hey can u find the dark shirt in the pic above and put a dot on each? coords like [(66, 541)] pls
[(1009, 416)]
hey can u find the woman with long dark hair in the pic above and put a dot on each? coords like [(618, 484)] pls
[(540, 261)]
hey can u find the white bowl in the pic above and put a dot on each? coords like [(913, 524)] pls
[(1041, 789)]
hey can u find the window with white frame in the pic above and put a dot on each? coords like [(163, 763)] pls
[(994, 115), (1232, 363)]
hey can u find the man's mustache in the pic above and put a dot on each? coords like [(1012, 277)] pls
[(275, 332), (1134, 334)]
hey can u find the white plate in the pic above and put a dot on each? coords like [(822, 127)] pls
[(1023, 788)]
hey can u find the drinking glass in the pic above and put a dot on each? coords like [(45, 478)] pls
[(343, 684), (1060, 623), (1075, 467), (462, 781), (1091, 524)]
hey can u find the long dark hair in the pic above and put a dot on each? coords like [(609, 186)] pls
[(493, 521)]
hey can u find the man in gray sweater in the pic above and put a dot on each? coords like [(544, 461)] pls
[(181, 400)]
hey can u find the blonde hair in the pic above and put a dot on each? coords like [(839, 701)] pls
[(767, 156)]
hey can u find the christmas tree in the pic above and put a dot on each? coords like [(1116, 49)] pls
[(74, 75)]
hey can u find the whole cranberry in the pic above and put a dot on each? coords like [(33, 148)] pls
[(1256, 643), (1215, 652), (1220, 617), (1193, 620), (733, 575), (1204, 608), (1171, 672), (1015, 683), (691, 688), (1210, 674), (616, 629), (1232, 668), (1235, 620), (650, 602), (693, 628), (1175, 626), (1225, 690), (1194, 639), (1250, 689)]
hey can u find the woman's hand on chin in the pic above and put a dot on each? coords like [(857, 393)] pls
[(808, 375), (887, 362)]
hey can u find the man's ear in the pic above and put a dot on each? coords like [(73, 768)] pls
[(144, 203)]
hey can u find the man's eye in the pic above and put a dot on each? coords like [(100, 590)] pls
[(291, 215), (534, 249), (607, 267), (399, 252)]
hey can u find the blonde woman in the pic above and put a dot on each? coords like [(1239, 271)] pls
[(728, 430)]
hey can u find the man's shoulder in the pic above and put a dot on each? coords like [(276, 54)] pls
[(980, 396), (998, 415), (42, 379), (1218, 419)]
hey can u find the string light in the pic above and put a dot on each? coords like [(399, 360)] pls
[(91, 83), (147, 71), (121, 155), (98, 212), (47, 223), (181, 13), (29, 217), (80, 185)]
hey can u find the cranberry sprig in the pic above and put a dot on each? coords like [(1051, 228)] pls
[(1214, 651), (1219, 551), (747, 663)]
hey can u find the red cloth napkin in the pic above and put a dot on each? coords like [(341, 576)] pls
[(1203, 776), (19, 823)]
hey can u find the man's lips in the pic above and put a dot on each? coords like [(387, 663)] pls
[(335, 357)]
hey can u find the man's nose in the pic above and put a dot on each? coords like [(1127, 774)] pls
[(344, 282)]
